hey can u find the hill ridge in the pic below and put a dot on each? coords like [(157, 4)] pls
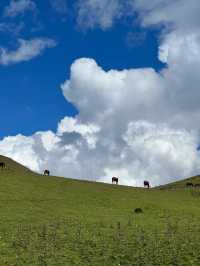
[(16, 167), (12, 165)]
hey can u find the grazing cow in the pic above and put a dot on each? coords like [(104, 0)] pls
[(146, 184), (138, 210), (46, 172), (189, 184), (197, 185), (2, 165), (115, 180)]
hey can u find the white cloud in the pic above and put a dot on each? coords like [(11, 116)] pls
[(175, 43), (157, 149), (152, 152), (124, 98), (115, 92), (61, 152), (87, 132), (27, 50), (18, 7), (20, 148)]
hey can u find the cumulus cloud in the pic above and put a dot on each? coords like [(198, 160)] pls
[(27, 50), (136, 124), (115, 92), (155, 153), (124, 100), (156, 149), (20, 149), (71, 125), (18, 7), (47, 149)]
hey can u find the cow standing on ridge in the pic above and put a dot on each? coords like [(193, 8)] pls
[(115, 180), (189, 184), (146, 184), (2, 165), (46, 172)]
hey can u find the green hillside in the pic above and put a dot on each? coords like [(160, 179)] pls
[(57, 221), (195, 180)]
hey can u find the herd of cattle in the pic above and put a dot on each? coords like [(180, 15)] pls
[(115, 180), (190, 184)]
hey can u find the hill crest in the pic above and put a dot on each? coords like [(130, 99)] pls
[(15, 168), (12, 165)]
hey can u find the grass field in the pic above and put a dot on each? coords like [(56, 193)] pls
[(57, 221)]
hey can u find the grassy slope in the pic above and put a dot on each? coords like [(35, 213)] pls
[(182, 183), (25, 196), (28, 198)]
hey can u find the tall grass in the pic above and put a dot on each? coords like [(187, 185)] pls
[(69, 242)]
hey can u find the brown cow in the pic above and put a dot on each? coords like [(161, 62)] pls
[(2, 165), (189, 184), (115, 180), (146, 184)]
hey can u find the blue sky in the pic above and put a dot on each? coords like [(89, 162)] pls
[(31, 98), (131, 70)]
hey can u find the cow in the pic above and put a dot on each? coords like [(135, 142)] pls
[(146, 184), (46, 172), (197, 185), (189, 184), (138, 210), (115, 180), (2, 165)]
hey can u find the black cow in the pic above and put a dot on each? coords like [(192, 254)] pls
[(2, 165), (146, 184), (189, 184), (46, 172), (138, 210), (115, 180)]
